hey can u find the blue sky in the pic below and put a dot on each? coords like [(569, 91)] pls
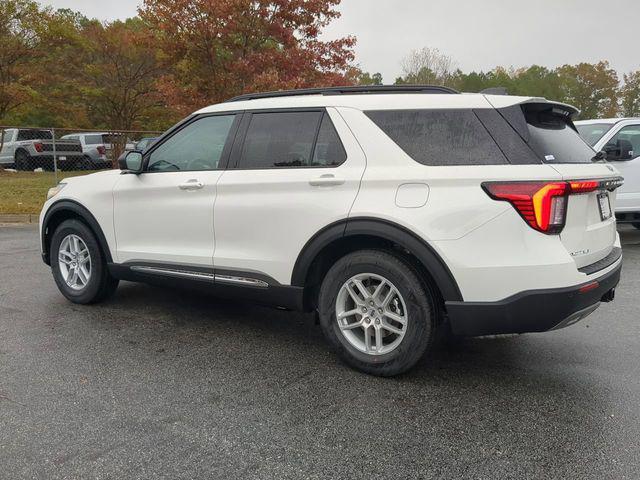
[(478, 34)]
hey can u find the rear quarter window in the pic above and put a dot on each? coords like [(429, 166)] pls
[(440, 137)]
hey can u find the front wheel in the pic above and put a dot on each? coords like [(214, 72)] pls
[(78, 265), (376, 312)]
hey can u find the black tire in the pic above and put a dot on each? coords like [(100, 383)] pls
[(101, 284), (23, 160), (420, 305)]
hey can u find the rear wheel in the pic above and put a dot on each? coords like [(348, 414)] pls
[(376, 312), (78, 264), (22, 160)]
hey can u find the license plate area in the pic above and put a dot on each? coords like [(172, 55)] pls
[(604, 205)]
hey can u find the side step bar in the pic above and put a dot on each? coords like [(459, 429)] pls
[(217, 278)]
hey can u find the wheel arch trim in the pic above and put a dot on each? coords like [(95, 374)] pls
[(78, 210), (383, 229)]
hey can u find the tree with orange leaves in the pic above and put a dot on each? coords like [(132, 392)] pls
[(215, 49)]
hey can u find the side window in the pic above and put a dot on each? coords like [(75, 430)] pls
[(329, 150), (631, 134), (277, 140), (439, 137), (198, 146)]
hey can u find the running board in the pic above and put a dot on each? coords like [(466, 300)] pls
[(213, 277)]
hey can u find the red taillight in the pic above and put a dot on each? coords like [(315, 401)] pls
[(543, 205), (101, 150), (37, 146), (584, 186)]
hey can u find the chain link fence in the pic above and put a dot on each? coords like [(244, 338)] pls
[(37, 150)]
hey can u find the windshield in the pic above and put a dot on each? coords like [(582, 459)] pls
[(592, 132), (553, 138)]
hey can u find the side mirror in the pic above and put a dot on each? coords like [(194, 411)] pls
[(131, 162), (621, 150)]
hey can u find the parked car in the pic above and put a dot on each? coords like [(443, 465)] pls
[(145, 143), (392, 212), (620, 139), (28, 149), (141, 145), (94, 147)]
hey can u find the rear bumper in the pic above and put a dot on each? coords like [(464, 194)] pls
[(533, 311)]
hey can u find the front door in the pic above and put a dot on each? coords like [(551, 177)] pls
[(291, 174), (165, 214), (628, 199)]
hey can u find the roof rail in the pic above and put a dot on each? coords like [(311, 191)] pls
[(368, 89)]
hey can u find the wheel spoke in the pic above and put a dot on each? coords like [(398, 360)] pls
[(354, 296), (388, 297), (82, 275), (351, 326), (394, 316), (74, 245), (63, 259), (348, 314), (367, 340), (73, 276), (364, 291), (378, 332), (390, 328), (378, 289)]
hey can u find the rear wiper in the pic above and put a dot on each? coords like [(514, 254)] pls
[(601, 156)]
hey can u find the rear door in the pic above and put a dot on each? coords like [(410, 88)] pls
[(590, 229), (291, 174)]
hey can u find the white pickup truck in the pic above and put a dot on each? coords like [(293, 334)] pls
[(620, 138), (28, 149)]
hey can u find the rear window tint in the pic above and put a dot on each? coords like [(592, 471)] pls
[(507, 138), (553, 138), (34, 135), (277, 140), (93, 139), (440, 137)]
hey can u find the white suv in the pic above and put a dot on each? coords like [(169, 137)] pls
[(391, 211), (620, 139)]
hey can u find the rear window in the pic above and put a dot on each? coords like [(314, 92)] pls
[(552, 137), (440, 137), (93, 139), (593, 132), (291, 139), (34, 135)]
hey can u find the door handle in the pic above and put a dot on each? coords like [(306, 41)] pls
[(192, 184), (326, 180)]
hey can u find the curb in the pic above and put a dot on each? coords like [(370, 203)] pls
[(19, 218)]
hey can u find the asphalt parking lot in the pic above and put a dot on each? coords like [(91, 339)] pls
[(158, 383)]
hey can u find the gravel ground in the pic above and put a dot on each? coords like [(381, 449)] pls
[(158, 383)]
